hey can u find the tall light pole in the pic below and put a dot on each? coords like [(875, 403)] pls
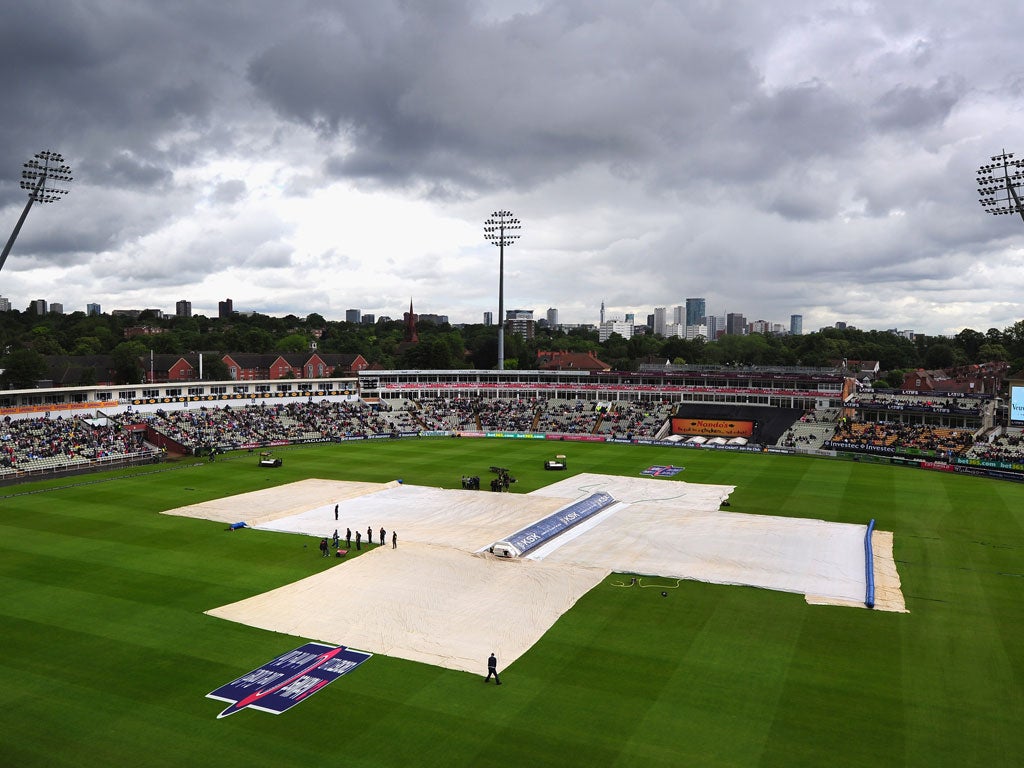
[(38, 176), (502, 229), (1000, 194)]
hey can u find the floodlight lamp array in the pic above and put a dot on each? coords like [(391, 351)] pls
[(502, 228), (39, 174), (998, 194)]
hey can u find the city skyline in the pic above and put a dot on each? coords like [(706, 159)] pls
[(711, 324), (798, 158)]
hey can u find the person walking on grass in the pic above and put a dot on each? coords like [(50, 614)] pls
[(383, 533), (348, 538), (369, 534), (492, 669), (358, 537), (323, 547)]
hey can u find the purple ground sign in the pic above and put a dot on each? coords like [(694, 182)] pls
[(290, 678), (662, 471)]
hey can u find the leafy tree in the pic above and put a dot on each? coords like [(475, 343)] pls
[(939, 356), (616, 348), (989, 353), (294, 342), (45, 342), (257, 340), (87, 345), (126, 357), (23, 368), (642, 346), (215, 369), (969, 341), (163, 343), (1013, 339), (483, 350), (891, 379)]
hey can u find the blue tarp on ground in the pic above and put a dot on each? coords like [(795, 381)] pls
[(522, 541)]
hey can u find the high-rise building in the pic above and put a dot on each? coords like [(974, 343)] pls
[(660, 320), (796, 325), (183, 308), (760, 326), (520, 321), (430, 317), (93, 309), (488, 318), (39, 306), (735, 324), (695, 311), (352, 315), (608, 327), (602, 312), (5, 304), (56, 308), (225, 308), (716, 326), (552, 316), (693, 331), (368, 319), (630, 318)]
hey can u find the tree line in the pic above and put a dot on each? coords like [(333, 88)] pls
[(28, 339)]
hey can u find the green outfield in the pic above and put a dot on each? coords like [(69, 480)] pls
[(106, 655)]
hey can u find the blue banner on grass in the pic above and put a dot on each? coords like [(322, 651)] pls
[(289, 679)]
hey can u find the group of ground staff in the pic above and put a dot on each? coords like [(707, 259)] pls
[(326, 544), (334, 542)]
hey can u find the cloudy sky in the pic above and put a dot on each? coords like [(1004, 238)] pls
[(813, 158)]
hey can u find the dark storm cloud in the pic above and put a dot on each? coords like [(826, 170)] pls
[(113, 83), (125, 172), (414, 96), (818, 150), (916, 108)]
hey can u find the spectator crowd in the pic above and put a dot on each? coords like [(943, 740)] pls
[(34, 443)]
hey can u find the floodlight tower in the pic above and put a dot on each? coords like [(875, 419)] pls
[(1000, 194), (502, 229), (38, 176)]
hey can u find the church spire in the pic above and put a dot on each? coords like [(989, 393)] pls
[(410, 325)]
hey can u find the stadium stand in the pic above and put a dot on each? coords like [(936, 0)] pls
[(41, 445), (792, 411)]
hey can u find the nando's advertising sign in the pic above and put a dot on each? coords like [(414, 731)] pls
[(713, 427)]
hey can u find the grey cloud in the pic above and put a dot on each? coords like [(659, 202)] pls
[(502, 104), (818, 151), (914, 108), (229, 192), (122, 170)]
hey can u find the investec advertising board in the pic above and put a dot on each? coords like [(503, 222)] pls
[(713, 427)]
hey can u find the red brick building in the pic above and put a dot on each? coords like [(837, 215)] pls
[(569, 361)]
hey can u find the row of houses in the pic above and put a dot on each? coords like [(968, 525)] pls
[(73, 370), (76, 370)]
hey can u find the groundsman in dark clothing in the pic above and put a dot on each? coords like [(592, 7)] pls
[(492, 669)]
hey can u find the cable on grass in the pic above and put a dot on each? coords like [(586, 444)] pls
[(636, 581)]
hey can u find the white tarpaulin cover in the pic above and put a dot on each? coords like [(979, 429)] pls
[(436, 599)]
